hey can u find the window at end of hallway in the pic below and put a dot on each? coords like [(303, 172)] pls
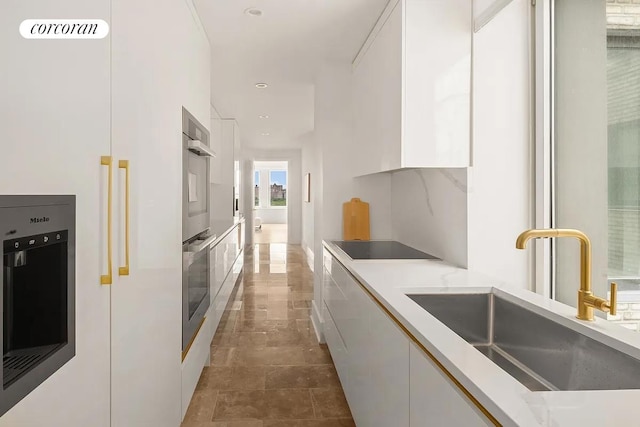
[(278, 187)]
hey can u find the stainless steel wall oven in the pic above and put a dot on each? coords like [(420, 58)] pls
[(38, 291), (196, 155)]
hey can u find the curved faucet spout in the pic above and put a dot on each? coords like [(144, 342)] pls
[(525, 236)]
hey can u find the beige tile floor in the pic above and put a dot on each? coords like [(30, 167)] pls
[(271, 233), (267, 368)]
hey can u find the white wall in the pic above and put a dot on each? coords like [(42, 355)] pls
[(429, 212), (271, 215), (310, 165), (485, 10), (294, 192), (499, 182)]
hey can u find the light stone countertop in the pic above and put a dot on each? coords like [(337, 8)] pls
[(510, 402)]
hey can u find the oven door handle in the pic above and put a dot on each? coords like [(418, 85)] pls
[(194, 249), (200, 148)]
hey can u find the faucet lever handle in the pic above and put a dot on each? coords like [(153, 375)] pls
[(613, 298)]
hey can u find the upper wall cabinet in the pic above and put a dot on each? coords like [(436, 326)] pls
[(412, 88), (216, 146)]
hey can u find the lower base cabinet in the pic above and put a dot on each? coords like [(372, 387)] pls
[(387, 379), (435, 401)]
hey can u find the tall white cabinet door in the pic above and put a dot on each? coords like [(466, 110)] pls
[(155, 74), (54, 127), (435, 401)]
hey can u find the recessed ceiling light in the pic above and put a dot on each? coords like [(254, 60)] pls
[(263, 116), (262, 85), (252, 11), (265, 134)]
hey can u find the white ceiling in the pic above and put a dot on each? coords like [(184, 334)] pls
[(284, 48)]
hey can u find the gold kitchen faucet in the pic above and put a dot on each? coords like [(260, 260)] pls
[(587, 301)]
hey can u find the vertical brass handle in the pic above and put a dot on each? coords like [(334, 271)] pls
[(613, 299), (107, 279), (124, 271)]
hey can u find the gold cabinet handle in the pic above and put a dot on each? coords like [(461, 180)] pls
[(124, 271), (107, 279), (613, 299)]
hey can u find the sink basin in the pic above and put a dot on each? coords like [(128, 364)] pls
[(538, 352)]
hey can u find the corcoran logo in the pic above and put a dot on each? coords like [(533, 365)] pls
[(41, 219), (64, 29)]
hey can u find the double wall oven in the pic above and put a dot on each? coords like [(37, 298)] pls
[(196, 238)]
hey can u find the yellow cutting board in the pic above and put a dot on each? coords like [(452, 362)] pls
[(355, 219)]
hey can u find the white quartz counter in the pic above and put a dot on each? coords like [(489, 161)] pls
[(510, 402)]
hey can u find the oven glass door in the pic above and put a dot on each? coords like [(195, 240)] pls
[(198, 285), (195, 290), (195, 192)]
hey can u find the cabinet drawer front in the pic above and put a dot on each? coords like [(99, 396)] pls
[(389, 365), (336, 348), (435, 398), (335, 301), (343, 279)]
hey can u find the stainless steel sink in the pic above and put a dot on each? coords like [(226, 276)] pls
[(538, 352)]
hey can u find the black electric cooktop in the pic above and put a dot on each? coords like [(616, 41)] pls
[(380, 249)]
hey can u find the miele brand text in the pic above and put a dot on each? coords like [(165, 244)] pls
[(41, 219)]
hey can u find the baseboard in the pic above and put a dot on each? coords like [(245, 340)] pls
[(316, 321)]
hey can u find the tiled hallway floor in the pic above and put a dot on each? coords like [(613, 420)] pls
[(271, 233), (267, 368)]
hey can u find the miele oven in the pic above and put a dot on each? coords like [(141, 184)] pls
[(195, 285), (196, 155), (38, 291)]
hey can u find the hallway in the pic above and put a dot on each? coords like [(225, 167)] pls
[(267, 368), (271, 233)]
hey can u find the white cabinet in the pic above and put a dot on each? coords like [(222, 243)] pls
[(223, 170), (215, 142), (226, 267), (150, 85), (436, 399), (412, 88), (370, 352), (387, 380), (54, 127), (220, 268), (389, 351), (120, 96)]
